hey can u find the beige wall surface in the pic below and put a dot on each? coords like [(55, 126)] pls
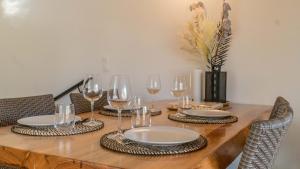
[(265, 62), (48, 45)]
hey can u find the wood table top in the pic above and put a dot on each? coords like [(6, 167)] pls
[(225, 142)]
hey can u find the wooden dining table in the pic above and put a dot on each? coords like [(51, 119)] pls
[(225, 143)]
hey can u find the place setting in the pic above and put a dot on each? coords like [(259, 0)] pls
[(203, 116), (63, 123), (189, 103), (189, 112), (145, 139)]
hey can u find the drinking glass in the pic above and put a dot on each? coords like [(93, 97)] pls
[(119, 97), (186, 102), (153, 87), (140, 116), (64, 117), (179, 86), (92, 91)]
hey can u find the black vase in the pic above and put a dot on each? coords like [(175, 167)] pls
[(215, 86)]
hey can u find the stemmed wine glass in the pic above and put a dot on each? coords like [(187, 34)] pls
[(119, 96), (179, 87), (153, 87), (92, 91)]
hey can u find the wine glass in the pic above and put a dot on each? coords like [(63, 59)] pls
[(153, 87), (92, 91), (119, 97), (179, 87)]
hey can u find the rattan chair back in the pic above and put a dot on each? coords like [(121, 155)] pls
[(82, 105), (264, 138), (16, 108), (279, 107)]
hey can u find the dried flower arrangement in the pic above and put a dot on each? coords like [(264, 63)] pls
[(206, 39)]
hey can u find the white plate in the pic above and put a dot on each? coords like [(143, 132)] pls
[(108, 107), (40, 121), (161, 135), (207, 113)]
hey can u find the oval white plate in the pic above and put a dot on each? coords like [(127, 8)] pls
[(40, 121), (161, 135), (108, 107), (207, 113)]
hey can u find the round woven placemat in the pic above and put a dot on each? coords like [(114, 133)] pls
[(6, 166), (51, 131), (131, 147), (124, 114), (202, 120)]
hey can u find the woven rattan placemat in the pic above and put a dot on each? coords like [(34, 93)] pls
[(131, 147), (51, 131), (124, 114), (202, 120)]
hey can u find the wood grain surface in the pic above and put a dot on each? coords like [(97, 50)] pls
[(225, 142)]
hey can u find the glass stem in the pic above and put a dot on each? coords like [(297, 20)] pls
[(152, 103), (119, 122), (92, 109), (178, 108)]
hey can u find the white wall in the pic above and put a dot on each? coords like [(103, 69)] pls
[(48, 45)]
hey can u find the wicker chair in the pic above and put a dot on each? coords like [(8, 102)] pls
[(82, 105), (279, 107), (264, 139), (13, 109)]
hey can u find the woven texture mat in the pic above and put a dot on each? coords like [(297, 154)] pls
[(131, 147), (51, 131), (124, 114), (202, 120), (2, 166)]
